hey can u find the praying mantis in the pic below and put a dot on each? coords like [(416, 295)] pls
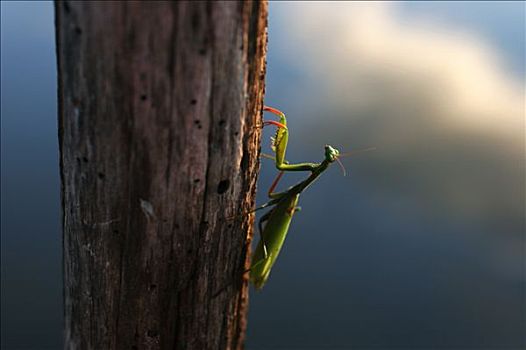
[(278, 219)]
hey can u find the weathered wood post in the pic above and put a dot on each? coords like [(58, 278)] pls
[(159, 107)]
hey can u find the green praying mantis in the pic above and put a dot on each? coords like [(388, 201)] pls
[(278, 219)]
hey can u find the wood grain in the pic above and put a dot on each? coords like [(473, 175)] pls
[(159, 107)]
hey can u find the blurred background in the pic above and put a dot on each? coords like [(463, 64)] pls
[(422, 245)]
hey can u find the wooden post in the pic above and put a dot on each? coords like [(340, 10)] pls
[(159, 107)]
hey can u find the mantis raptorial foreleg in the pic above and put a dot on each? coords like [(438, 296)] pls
[(280, 141)]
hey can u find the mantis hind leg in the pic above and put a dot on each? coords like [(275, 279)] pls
[(260, 226), (271, 192), (263, 206)]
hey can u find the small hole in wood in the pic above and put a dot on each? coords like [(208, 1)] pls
[(193, 102), (144, 97), (152, 333), (223, 186), (78, 30)]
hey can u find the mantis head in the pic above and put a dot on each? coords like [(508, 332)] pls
[(331, 154)]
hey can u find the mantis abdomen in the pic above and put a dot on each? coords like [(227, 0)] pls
[(273, 236)]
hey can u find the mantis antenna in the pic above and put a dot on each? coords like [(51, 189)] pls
[(341, 166), (350, 153), (347, 154)]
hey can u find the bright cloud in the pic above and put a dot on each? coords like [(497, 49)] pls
[(363, 55)]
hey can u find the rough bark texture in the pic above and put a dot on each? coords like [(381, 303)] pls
[(159, 104)]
